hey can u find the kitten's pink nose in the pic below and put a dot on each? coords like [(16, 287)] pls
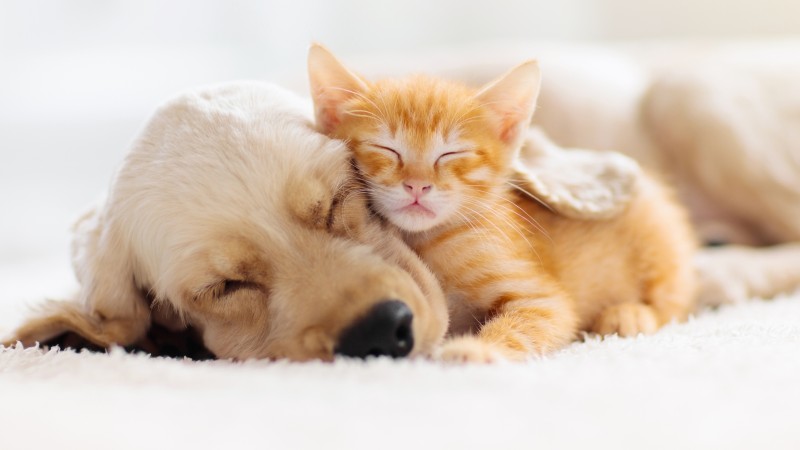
[(416, 188)]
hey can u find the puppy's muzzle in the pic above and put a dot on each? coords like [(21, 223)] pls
[(384, 331)]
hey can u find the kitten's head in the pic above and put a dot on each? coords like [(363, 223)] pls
[(430, 151)]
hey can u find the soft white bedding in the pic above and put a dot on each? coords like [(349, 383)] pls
[(726, 379)]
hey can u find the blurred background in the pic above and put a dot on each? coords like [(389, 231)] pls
[(79, 78)]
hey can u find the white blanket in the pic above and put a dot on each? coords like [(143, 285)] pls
[(726, 379)]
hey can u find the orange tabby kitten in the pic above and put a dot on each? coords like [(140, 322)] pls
[(520, 279)]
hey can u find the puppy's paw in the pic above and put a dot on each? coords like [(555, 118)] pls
[(469, 350), (627, 319)]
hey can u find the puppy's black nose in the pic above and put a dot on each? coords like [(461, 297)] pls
[(384, 331)]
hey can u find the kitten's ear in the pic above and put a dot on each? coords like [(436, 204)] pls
[(332, 84), (512, 98), (576, 183)]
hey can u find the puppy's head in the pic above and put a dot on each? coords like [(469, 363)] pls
[(233, 216)]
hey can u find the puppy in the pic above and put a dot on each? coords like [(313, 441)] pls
[(721, 123), (231, 215)]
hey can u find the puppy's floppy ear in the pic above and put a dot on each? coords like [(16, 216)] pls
[(332, 84), (580, 184), (110, 309), (55, 319), (511, 99)]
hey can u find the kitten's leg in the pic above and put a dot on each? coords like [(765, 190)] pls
[(519, 326), (666, 298), (627, 319), (521, 309), (668, 294)]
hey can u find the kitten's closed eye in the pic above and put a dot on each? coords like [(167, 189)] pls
[(388, 150), (449, 156)]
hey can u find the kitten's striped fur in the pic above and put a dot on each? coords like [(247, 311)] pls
[(520, 280)]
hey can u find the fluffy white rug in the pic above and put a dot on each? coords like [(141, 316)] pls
[(726, 379)]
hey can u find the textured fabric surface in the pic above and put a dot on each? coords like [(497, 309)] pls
[(725, 379)]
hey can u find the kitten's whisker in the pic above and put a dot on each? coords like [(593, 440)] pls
[(518, 228), (364, 114), (510, 182), (529, 219), (466, 117), (523, 215), (362, 97), (502, 197), (509, 222), (490, 222), (471, 224), (385, 109), (470, 119)]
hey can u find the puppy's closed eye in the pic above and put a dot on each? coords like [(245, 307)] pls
[(226, 288), (232, 286)]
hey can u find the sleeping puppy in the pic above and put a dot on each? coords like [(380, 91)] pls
[(232, 216), (721, 123)]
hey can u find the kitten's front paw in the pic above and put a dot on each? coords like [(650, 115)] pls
[(469, 349), (626, 319)]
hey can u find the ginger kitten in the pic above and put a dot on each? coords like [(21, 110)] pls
[(436, 157)]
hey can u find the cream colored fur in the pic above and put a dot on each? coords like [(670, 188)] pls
[(223, 218), (576, 183), (723, 124)]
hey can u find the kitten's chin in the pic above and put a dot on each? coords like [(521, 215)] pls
[(414, 219)]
